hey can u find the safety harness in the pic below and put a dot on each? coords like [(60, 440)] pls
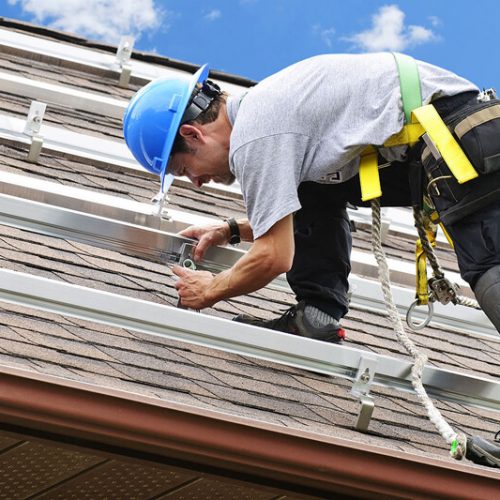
[(420, 122)]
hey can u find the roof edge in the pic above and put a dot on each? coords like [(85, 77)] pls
[(234, 444)]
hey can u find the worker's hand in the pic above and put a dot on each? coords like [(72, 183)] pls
[(207, 236), (192, 287)]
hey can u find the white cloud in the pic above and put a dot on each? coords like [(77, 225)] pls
[(388, 32), (213, 15), (419, 34), (326, 34), (105, 20), (435, 21)]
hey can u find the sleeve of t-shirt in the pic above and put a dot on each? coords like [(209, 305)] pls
[(269, 170)]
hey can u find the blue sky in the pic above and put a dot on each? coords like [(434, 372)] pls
[(254, 38)]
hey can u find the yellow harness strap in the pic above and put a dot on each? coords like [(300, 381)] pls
[(424, 119), (368, 175), (445, 143), (368, 166), (422, 288)]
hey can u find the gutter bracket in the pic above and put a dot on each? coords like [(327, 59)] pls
[(361, 389), (32, 129), (123, 55)]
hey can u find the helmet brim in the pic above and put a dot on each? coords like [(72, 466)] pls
[(166, 179)]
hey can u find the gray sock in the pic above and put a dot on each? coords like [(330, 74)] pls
[(318, 318)]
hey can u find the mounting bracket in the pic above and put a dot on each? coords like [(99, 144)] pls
[(361, 389), (123, 55), (160, 201), (32, 129)]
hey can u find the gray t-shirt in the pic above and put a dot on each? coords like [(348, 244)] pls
[(312, 120)]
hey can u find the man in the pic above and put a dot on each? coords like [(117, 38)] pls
[(294, 143)]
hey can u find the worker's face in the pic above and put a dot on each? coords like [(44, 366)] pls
[(201, 167), (207, 158)]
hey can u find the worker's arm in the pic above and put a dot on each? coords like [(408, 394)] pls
[(215, 235), (269, 256)]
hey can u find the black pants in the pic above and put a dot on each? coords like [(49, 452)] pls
[(323, 242), (476, 239)]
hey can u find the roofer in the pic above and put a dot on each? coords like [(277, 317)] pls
[(294, 143)]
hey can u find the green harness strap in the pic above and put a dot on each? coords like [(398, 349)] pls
[(409, 82)]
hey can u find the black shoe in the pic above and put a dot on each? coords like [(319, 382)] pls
[(295, 321), (484, 452)]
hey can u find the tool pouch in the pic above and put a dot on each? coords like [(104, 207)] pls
[(479, 135), (477, 130)]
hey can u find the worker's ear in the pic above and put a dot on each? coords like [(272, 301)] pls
[(192, 134)]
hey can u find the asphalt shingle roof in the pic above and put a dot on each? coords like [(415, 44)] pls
[(80, 350)]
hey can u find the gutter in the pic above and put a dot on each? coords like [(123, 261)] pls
[(300, 460)]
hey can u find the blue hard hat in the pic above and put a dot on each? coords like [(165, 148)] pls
[(153, 117)]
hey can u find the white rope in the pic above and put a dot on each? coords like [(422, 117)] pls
[(467, 301), (420, 359)]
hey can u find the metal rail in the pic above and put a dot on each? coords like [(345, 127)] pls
[(112, 153), (125, 237), (132, 228), (112, 207), (62, 95), (142, 71), (187, 326)]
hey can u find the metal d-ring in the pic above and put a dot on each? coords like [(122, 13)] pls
[(425, 322)]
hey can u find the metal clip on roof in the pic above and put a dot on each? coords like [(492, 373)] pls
[(361, 389), (160, 201), (122, 59), (32, 129)]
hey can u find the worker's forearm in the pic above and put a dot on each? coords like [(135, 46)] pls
[(252, 272), (269, 256)]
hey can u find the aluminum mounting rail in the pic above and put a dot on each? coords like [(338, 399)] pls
[(95, 230), (93, 58), (66, 141), (131, 227), (398, 220), (115, 208), (169, 322), (70, 97), (94, 203), (112, 153)]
